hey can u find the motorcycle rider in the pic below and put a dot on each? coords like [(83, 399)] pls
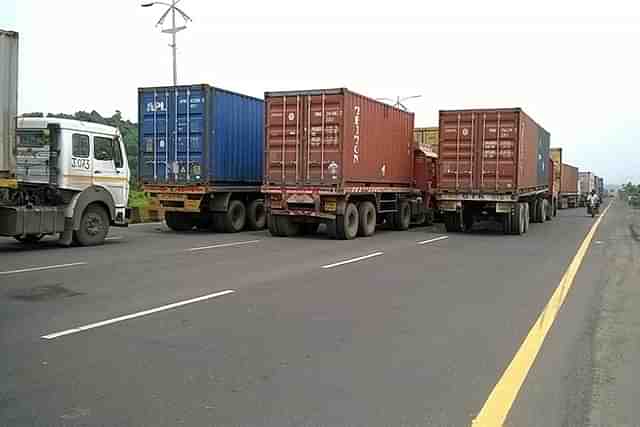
[(593, 200)]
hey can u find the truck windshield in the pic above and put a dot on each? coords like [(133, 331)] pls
[(35, 138)]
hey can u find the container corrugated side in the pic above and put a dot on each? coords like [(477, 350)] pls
[(8, 101), (238, 148), (336, 138), (199, 134)]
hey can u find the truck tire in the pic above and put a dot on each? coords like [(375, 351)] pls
[(179, 221), (507, 223), (518, 224), (467, 217), (402, 218), (429, 217), (235, 218), (29, 238), (203, 221), (367, 220), (94, 226), (286, 227), (272, 225), (309, 228), (452, 222), (527, 217), (548, 210), (256, 215), (347, 225)]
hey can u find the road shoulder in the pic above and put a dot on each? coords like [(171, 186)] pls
[(616, 340)]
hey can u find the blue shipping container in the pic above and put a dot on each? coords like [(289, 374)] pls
[(199, 134)]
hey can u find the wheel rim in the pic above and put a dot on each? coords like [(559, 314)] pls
[(369, 217), (93, 225)]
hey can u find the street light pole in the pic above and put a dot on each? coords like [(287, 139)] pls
[(173, 30), (173, 44)]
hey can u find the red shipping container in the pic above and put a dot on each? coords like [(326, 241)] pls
[(492, 151), (337, 139), (569, 179)]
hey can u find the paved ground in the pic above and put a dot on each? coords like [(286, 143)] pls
[(415, 334)]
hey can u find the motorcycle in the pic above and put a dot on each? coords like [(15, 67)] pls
[(592, 208)]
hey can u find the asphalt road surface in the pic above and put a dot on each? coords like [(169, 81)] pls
[(408, 328)]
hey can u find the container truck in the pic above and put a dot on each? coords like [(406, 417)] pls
[(493, 164), (201, 157), (72, 180), (340, 158), (8, 107), (587, 182), (57, 176), (569, 189)]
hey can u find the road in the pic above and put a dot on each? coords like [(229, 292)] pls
[(404, 328)]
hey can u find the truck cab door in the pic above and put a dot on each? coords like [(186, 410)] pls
[(109, 168)]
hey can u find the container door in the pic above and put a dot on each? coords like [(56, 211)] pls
[(457, 151), (188, 135), (154, 144), (497, 156), (284, 130), (320, 149)]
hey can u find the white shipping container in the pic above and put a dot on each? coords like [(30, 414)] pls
[(8, 101)]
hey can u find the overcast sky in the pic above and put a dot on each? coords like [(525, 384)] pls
[(573, 66)]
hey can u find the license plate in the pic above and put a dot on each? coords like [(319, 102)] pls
[(330, 206)]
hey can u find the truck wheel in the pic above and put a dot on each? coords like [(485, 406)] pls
[(235, 218), (272, 224), (309, 229), (520, 217), (467, 217), (286, 227), (256, 215), (94, 226), (347, 224), (452, 222), (527, 217), (429, 217), (367, 220), (178, 221), (507, 223), (203, 221), (29, 238), (402, 218)]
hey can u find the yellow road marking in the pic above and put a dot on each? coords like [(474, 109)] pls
[(498, 405)]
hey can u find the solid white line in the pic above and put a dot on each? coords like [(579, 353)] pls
[(48, 267), (349, 261), (424, 242), (134, 315), (223, 245), (114, 238), (146, 223)]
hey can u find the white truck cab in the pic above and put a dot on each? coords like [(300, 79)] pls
[(73, 179)]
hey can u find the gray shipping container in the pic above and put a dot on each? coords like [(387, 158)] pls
[(8, 101)]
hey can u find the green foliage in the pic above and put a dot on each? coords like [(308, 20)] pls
[(138, 199), (631, 193), (129, 131)]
